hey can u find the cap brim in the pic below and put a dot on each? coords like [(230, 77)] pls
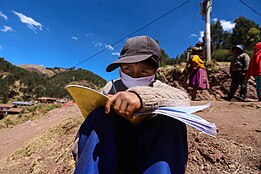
[(127, 59), (239, 47)]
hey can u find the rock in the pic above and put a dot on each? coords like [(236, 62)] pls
[(211, 155)]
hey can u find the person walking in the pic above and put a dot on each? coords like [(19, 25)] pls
[(254, 69), (238, 68)]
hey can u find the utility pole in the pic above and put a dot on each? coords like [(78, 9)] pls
[(205, 11)]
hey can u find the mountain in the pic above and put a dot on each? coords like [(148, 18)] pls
[(39, 69), (31, 81)]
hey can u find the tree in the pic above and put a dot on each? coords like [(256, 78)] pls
[(216, 35), (253, 36), (227, 40), (241, 30), (164, 58), (4, 90), (40, 91)]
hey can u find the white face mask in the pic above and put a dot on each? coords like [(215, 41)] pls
[(129, 81)]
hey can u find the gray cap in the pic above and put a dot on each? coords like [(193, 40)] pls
[(135, 50)]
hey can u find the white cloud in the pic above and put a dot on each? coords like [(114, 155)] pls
[(74, 38), (3, 15), (109, 47), (201, 33), (193, 35), (227, 25), (6, 29), (98, 44), (1, 47), (31, 23), (115, 54), (215, 20)]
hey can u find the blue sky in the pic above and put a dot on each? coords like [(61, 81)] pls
[(62, 33)]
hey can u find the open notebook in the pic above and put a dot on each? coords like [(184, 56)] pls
[(88, 99)]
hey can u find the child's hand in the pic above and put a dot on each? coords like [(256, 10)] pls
[(124, 103)]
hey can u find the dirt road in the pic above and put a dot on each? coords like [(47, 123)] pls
[(15, 137), (240, 121)]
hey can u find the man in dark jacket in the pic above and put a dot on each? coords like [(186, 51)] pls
[(238, 68)]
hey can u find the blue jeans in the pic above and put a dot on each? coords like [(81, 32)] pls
[(109, 144)]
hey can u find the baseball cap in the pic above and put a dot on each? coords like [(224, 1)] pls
[(241, 47), (137, 49), (194, 49)]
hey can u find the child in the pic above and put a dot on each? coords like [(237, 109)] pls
[(110, 143)]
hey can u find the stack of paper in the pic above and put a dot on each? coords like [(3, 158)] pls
[(184, 114)]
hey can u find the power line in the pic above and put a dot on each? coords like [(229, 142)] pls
[(148, 24), (192, 23), (250, 7)]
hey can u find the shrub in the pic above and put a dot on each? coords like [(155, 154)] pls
[(221, 55)]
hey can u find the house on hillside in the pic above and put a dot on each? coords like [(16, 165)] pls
[(15, 110), (10, 109), (51, 100), (19, 103), (62, 100), (5, 107), (47, 100)]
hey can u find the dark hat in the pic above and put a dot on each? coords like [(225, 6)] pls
[(239, 46), (137, 49)]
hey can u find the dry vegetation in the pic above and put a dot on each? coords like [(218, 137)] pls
[(30, 113), (49, 153)]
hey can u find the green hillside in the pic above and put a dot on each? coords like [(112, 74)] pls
[(80, 76), (19, 84)]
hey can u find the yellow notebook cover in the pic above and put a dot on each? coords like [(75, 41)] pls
[(88, 99)]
